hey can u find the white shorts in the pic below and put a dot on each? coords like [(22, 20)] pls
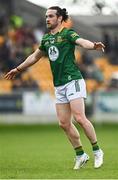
[(72, 90)]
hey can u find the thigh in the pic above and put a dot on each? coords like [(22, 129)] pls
[(63, 112), (77, 107)]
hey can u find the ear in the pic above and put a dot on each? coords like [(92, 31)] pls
[(60, 18)]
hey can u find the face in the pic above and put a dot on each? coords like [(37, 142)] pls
[(52, 20)]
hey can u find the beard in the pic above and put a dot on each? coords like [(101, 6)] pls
[(51, 27)]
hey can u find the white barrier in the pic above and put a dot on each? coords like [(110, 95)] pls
[(106, 106), (33, 107), (35, 103)]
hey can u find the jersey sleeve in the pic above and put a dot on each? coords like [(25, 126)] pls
[(72, 36), (41, 46)]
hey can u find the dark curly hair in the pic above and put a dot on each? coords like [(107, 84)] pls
[(61, 12)]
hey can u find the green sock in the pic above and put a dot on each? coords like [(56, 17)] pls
[(79, 151), (95, 146)]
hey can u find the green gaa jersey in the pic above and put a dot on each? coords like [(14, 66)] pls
[(60, 49)]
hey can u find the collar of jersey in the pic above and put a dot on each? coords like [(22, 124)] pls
[(58, 30)]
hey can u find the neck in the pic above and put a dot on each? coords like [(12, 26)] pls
[(55, 30)]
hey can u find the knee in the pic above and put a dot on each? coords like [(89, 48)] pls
[(64, 125), (81, 119)]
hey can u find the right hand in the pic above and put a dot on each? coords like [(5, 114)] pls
[(11, 74)]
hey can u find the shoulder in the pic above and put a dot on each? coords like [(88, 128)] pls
[(45, 36), (66, 30), (70, 32), (72, 35)]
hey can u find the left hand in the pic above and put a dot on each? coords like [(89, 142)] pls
[(99, 46)]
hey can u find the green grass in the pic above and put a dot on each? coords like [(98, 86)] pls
[(43, 152)]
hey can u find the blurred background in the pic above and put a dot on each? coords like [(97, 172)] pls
[(31, 143), (29, 98)]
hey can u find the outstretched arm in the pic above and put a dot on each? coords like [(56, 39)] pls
[(30, 60), (90, 45)]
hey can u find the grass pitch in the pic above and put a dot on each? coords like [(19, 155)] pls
[(43, 152)]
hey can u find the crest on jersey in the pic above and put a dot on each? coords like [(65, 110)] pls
[(53, 53), (59, 39)]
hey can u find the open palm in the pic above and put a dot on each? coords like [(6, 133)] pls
[(11, 74)]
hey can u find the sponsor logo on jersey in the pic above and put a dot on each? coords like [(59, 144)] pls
[(53, 53), (52, 40)]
